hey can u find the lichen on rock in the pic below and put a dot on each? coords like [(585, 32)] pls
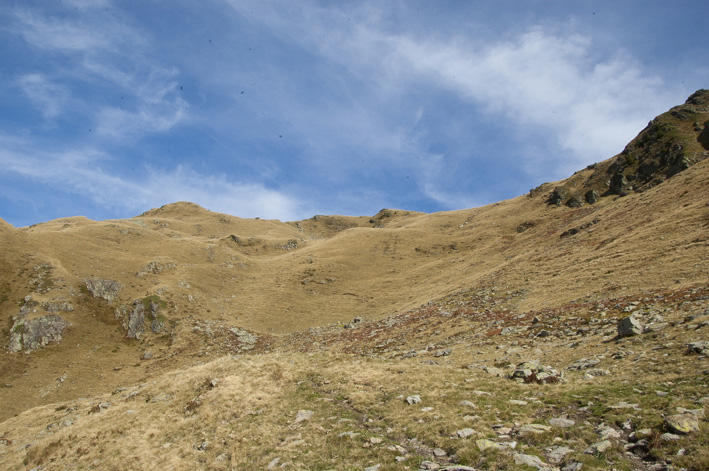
[(31, 334)]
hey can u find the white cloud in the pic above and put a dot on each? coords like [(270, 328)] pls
[(101, 52), (538, 81), (86, 173), (50, 98)]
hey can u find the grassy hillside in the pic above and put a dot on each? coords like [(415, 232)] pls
[(195, 338)]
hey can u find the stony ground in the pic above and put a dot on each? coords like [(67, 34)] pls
[(463, 383)]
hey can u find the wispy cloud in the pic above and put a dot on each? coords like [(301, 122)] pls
[(551, 82), (50, 98), (99, 52), (88, 174)]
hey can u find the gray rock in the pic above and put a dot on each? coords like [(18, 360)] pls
[(629, 326), (529, 460), (583, 364), (533, 429), (599, 447), (556, 454), (700, 347), (100, 288), (29, 335), (465, 433), (591, 196), (558, 196), (682, 423), (531, 372), (575, 466), (415, 399), (303, 415), (593, 372), (442, 353), (561, 422), (494, 371)]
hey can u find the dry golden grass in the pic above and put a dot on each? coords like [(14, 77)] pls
[(294, 285)]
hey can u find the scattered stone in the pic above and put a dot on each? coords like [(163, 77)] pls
[(599, 447), (594, 372), (518, 402), (439, 452), (670, 437), (629, 326), (575, 466), (556, 454), (624, 405), (583, 364), (607, 433), (682, 423), (561, 422), (494, 371), (533, 429), (529, 460), (485, 444), (373, 468), (531, 372), (468, 404), (442, 353), (429, 466), (303, 415), (700, 347), (465, 433), (415, 399)]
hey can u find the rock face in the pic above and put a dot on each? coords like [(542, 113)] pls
[(100, 288), (29, 335), (670, 144)]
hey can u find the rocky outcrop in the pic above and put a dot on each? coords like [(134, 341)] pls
[(134, 317), (670, 144), (30, 334), (105, 289), (156, 267)]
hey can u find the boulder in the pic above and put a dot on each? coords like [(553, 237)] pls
[(629, 326), (700, 347), (682, 424), (556, 454)]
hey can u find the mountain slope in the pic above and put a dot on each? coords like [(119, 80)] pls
[(94, 307)]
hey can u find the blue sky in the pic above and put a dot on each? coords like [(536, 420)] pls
[(284, 110)]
